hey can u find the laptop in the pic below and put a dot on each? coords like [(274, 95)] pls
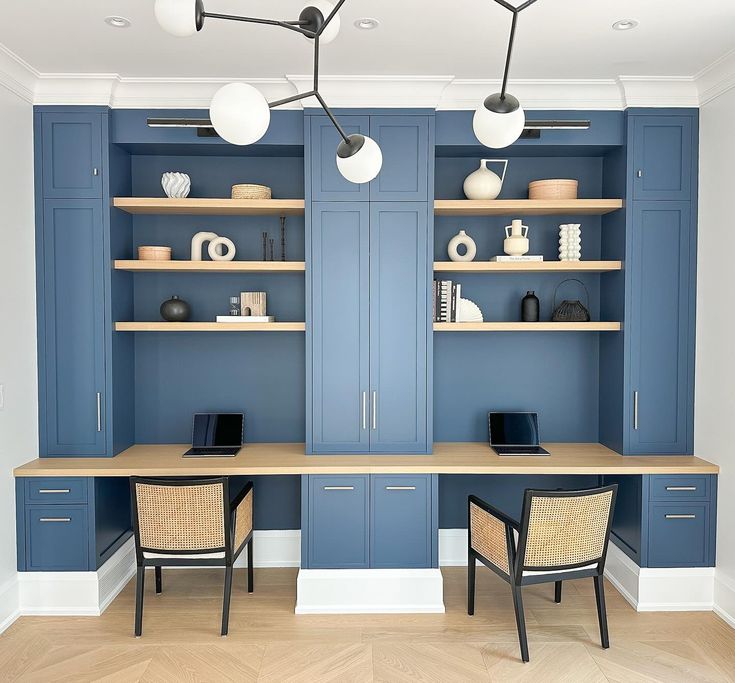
[(514, 434), (216, 435)]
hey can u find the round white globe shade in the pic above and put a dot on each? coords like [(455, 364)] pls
[(177, 17), (330, 33), (239, 113), (364, 165), (498, 130)]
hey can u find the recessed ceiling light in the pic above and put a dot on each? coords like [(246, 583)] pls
[(117, 22), (367, 24), (625, 24)]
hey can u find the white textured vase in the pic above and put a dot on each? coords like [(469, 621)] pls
[(570, 242), (462, 238), (483, 183), (176, 185)]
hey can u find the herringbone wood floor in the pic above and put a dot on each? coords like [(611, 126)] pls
[(267, 642)]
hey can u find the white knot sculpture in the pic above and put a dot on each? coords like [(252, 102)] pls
[(219, 249)]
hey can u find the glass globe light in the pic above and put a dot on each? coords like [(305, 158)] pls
[(180, 18), (498, 122), (361, 160), (239, 113)]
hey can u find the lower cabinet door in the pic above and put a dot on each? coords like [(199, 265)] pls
[(338, 522), (400, 528), (57, 538), (679, 535)]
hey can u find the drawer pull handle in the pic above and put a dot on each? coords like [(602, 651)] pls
[(339, 488), (681, 488), (400, 488), (681, 516), (55, 519), (54, 490)]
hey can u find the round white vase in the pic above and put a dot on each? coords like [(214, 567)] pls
[(462, 238), (483, 183), (176, 185)]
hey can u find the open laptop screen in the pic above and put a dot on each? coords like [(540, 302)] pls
[(217, 429), (514, 429)]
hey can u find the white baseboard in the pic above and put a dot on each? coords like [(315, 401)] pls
[(274, 548), (9, 603), (369, 591), (725, 597)]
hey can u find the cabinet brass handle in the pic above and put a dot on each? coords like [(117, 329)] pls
[(339, 488), (54, 490), (54, 519), (681, 488), (400, 488), (681, 516)]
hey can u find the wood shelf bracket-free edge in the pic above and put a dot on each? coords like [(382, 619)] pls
[(141, 266), (526, 266), (528, 207), (209, 327), (528, 327), (210, 206)]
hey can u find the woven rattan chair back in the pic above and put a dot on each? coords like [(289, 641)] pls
[(173, 516), (565, 528), (488, 537)]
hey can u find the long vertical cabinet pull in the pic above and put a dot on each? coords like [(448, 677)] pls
[(635, 410), (99, 411), (364, 409), (375, 410)]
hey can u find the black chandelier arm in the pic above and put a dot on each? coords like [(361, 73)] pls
[(341, 132), (291, 25), (329, 18), (508, 55), (292, 98)]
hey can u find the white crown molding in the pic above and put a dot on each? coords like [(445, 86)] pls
[(717, 78), (658, 91), (16, 75)]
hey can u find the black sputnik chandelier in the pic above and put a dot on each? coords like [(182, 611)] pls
[(241, 115)]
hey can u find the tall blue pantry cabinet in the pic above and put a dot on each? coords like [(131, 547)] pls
[(369, 344)]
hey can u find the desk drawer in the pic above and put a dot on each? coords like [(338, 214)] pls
[(52, 490), (680, 487), (679, 535), (57, 538)]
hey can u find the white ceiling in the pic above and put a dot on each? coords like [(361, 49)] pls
[(556, 39)]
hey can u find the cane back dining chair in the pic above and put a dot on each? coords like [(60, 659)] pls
[(190, 523), (562, 535)]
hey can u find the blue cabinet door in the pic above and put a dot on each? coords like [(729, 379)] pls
[(327, 183), (71, 155), (404, 142), (399, 323), (57, 538), (340, 327), (659, 414), (71, 338), (338, 522), (400, 520), (662, 156), (679, 535)]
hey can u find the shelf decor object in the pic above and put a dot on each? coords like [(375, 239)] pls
[(483, 183), (245, 191), (253, 303), (462, 239), (498, 121), (176, 185), (175, 310), (239, 112), (571, 311), (530, 308), (554, 188), (151, 253), (570, 242), (516, 238), (468, 311), (219, 248)]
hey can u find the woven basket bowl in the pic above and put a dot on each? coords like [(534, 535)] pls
[(552, 189), (154, 253), (251, 192)]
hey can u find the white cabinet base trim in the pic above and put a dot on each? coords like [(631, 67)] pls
[(369, 591), (725, 597)]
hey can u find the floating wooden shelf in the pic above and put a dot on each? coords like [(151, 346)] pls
[(211, 266), (525, 207), (527, 327), (210, 207), (526, 266), (209, 327)]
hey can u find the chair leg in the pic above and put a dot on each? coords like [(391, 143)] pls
[(601, 611), (139, 588), (520, 621), (158, 580), (250, 565), (471, 569), (226, 601), (557, 591)]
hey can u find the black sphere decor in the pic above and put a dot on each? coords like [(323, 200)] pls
[(175, 310), (530, 308)]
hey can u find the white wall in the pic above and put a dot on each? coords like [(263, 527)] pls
[(18, 416), (715, 375)]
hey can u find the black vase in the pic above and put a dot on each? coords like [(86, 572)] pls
[(175, 310), (529, 308)]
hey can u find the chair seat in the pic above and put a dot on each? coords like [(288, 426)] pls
[(188, 556), (529, 572)]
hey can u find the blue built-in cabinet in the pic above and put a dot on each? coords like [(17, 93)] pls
[(369, 270)]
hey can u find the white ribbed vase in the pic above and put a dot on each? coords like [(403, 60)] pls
[(176, 185)]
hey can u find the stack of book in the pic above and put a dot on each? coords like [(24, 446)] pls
[(513, 259), (446, 296)]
